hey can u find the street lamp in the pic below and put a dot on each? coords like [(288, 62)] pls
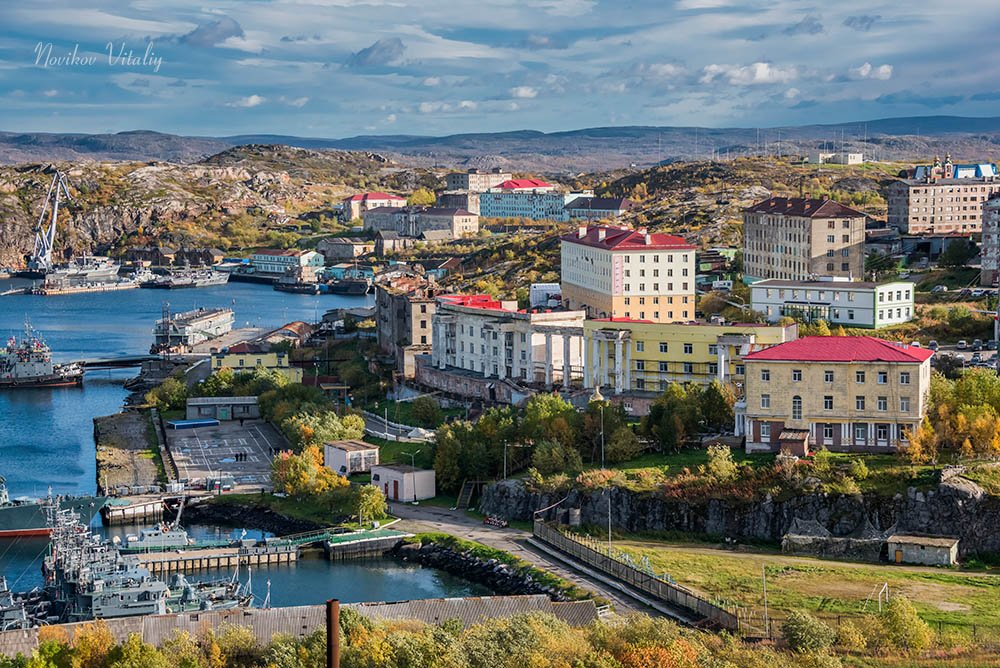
[(598, 397), (412, 456)]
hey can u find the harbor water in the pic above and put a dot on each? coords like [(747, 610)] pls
[(46, 435)]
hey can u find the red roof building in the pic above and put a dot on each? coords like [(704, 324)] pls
[(356, 205), (524, 184), (625, 239), (843, 349)]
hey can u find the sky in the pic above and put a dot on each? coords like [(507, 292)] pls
[(339, 68)]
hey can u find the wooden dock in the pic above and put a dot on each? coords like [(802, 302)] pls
[(190, 561)]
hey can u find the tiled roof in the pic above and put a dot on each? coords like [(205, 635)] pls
[(523, 184), (620, 238), (841, 349), (601, 203), (805, 207), (364, 197), (278, 252)]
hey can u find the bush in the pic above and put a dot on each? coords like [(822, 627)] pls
[(623, 446), (850, 637), (804, 633), (426, 412), (903, 628), (859, 470), (554, 457), (720, 463)]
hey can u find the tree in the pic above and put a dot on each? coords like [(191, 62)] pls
[(957, 254), (421, 197), (451, 450), (304, 474), (91, 645), (720, 463), (426, 412), (134, 653), (623, 445), (805, 633), (555, 457), (549, 416), (314, 428), (673, 415), (903, 627), (370, 503), (717, 406), (170, 395)]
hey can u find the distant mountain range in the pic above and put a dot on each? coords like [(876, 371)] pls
[(591, 149)]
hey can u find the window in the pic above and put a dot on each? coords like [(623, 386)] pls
[(859, 376), (688, 348), (904, 404), (830, 238), (640, 346), (765, 375), (796, 407), (663, 367), (423, 324), (859, 403), (663, 347), (883, 404), (860, 433), (739, 370), (765, 431), (765, 401), (688, 367), (423, 308), (713, 349), (827, 432), (904, 378), (828, 376), (828, 403), (796, 375), (713, 368), (882, 432), (423, 338), (640, 365), (640, 384), (883, 377)]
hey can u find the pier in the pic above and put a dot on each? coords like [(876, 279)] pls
[(136, 510), (193, 560)]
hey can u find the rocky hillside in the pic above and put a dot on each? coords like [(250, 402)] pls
[(243, 197)]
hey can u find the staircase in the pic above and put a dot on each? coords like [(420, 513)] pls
[(465, 495)]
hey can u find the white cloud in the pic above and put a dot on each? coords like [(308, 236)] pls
[(867, 71), (52, 92), (665, 70), (749, 75), (391, 118), (467, 104), (298, 102), (792, 93), (248, 102), (524, 92), (432, 81)]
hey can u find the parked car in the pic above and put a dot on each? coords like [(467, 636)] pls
[(939, 288), (962, 345), (933, 345), (977, 344), (991, 345), (915, 344), (977, 358)]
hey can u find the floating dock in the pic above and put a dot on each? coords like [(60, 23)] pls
[(189, 561), (51, 290), (137, 510)]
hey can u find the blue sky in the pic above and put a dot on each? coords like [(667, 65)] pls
[(337, 68)]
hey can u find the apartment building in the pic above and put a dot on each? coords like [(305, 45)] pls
[(845, 393), (797, 239), (939, 206), (458, 199), (476, 180), (337, 249), (597, 208), (632, 357), (617, 272), (414, 221), (990, 248), (847, 303), (251, 356), (404, 310), (277, 261), (355, 206), (493, 339)]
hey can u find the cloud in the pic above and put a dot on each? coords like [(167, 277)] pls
[(908, 97), (248, 102), (381, 53), (213, 33), (985, 97), (297, 102), (538, 42), (391, 118), (810, 25), (749, 75), (523, 92), (432, 81), (792, 93), (468, 104), (663, 70), (52, 92), (867, 71), (861, 22)]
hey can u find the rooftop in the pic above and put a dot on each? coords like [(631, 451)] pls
[(364, 197), (822, 285), (278, 252), (485, 302), (400, 468), (930, 541), (964, 181), (626, 239), (841, 349), (805, 207), (523, 184), (352, 445), (601, 203)]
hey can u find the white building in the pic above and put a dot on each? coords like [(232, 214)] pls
[(402, 482), (350, 456), (838, 158), (847, 303), (272, 261), (355, 206), (527, 198), (493, 339), (990, 250), (476, 180)]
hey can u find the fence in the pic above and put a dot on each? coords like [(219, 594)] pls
[(592, 553)]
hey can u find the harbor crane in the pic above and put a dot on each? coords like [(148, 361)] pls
[(45, 234)]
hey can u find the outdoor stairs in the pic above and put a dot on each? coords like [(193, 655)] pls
[(465, 495)]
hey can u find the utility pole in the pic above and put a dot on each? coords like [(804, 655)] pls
[(413, 457), (609, 520), (767, 621), (333, 633), (602, 435)]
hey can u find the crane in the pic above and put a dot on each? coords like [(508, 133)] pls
[(45, 234)]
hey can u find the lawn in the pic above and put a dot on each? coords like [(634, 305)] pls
[(308, 510), (401, 412), (394, 452), (688, 458), (956, 278), (826, 588)]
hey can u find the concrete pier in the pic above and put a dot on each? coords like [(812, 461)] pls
[(190, 561)]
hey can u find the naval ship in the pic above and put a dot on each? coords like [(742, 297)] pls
[(27, 362), (28, 517)]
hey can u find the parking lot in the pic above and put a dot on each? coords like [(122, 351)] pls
[(229, 449)]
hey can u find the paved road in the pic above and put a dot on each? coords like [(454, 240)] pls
[(429, 518), (376, 426)]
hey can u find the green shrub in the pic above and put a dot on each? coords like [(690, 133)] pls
[(859, 470), (804, 633), (903, 628)]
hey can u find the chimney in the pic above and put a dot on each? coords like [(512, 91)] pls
[(581, 231), (648, 238), (601, 234)]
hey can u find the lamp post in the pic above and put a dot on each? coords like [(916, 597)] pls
[(598, 397), (412, 456)]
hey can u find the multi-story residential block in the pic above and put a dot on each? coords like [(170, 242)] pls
[(836, 158), (939, 206), (527, 198), (337, 249), (617, 272), (597, 208), (355, 206), (847, 303), (845, 393), (990, 248), (276, 261), (404, 310), (458, 199), (494, 339), (634, 357), (249, 356), (799, 239), (414, 221), (476, 180)]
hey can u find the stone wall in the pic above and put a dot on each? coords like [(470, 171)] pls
[(956, 507)]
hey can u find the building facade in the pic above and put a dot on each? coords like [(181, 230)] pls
[(338, 249), (272, 261), (476, 180), (404, 312), (248, 357), (939, 206), (493, 339), (350, 456), (990, 248), (617, 272), (355, 206), (798, 239), (459, 199), (597, 208), (844, 393), (414, 221), (847, 303), (634, 357)]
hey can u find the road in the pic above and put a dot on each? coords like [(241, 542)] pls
[(416, 519), (375, 425)]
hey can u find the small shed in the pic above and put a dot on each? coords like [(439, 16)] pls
[(794, 442), (402, 482), (222, 408), (925, 550), (350, 456)]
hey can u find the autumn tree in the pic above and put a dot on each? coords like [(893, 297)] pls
[(370, 503), (304, 474), (421, 197)]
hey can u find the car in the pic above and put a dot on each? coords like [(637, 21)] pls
[(977, 358), (915, 344), (933, 345), (962, 345), (939, 288), (978, 293), (977, 344), (991, 345)]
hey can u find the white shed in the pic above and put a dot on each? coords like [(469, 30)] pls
[(402, 482), (350, 456)]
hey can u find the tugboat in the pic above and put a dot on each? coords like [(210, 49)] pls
[(28, 363)]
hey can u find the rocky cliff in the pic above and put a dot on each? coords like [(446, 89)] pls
[(956, 507)]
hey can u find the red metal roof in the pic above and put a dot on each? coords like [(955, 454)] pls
[(623, 238), (363, 197), (524, 184), (841, 349), (805, 207), (473, 301)]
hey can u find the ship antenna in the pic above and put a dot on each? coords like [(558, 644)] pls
[(267, 598)]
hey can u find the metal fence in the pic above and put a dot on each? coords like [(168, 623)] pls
[(599, 556)]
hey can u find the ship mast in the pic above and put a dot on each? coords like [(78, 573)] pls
[(45, 236)]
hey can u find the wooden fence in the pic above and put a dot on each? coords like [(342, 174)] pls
[(595, 555)]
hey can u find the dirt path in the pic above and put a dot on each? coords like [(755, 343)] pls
[(124, 454)]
